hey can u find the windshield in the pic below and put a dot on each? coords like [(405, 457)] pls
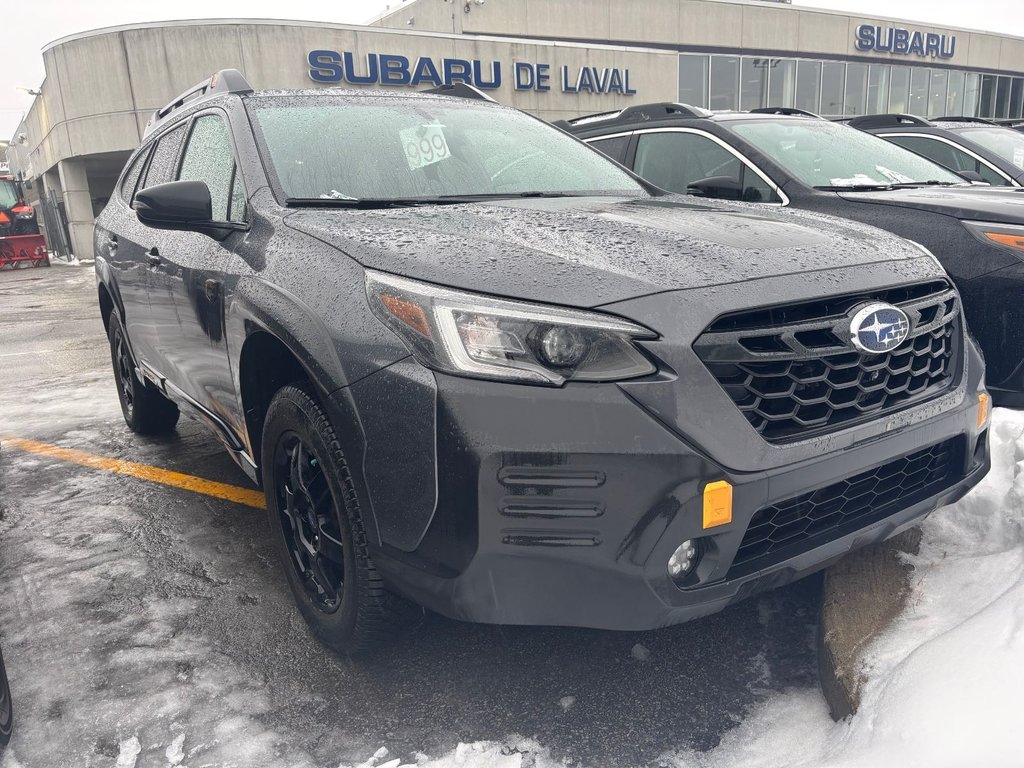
[(8, 194), (386, 148), (831, 155), (1004, 142)]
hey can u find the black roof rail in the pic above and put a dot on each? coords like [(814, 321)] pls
[(963, 119), (643, 112), (887, 121), (460, 91), (564, 125), (784, 111), (224, 81)]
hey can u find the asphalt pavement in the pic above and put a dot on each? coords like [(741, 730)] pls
[(135, 610)]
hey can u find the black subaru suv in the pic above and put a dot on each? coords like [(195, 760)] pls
[(978, 149), (788, 158), (477, 365)]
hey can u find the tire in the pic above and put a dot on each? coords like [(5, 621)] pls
[(306, 478), (145, 409), (6, 709)]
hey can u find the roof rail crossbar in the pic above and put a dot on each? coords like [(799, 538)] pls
[(224, 81), (460, 91), (887, 121), (963, 119), (785, 111), (656, 111)]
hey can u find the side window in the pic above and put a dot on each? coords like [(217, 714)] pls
[(674, 161), (161, 163), (949, 157), (208, 157), (614, 148), (130, 179)]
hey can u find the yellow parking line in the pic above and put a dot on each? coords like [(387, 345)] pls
[(246, 496)]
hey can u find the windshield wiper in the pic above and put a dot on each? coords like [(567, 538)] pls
[(855, 187), (472, 198), (362, 202), (930, 183)]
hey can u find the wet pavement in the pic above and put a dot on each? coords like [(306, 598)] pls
[(131, 610)]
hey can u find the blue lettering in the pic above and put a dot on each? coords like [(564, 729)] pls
[(943, 53), (372, 68), (325, 66), (543, 77), (615, 82), (566, 86), (457, 71), (865, 37), (584, 81), (887, 45), (916, 44), (931, 44), (523, 76), (629, 91), (394, 70), (426, 71), (899, 40), (494, 82)]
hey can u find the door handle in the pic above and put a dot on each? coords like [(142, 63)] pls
[(212, 290), (153, 256)]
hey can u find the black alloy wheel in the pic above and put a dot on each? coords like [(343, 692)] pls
[(145, 409), (309, 522)]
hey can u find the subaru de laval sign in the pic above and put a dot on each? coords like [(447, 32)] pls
[(392, 69), (904, 42)]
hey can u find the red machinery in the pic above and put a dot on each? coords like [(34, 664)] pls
[(21, 245)]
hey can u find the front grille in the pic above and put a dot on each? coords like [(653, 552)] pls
[(793, 373), (796, 525)]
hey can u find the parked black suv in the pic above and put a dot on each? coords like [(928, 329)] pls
[(6, 708), (978, 149), (794, 159), (476, 364)]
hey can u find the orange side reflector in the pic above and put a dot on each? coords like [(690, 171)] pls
[(409, 313), (1014, 241), (717, 503), (983, 408)]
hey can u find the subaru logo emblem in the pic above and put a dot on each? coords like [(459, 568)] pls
[(879, 327)]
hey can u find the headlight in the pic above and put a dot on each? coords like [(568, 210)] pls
[(1007, 235), (471, 335), (25, 215)]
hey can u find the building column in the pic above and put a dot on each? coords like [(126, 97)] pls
[(77, 205)]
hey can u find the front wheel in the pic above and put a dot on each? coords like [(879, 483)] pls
[(6, 709), (145, 409), (318, 528)]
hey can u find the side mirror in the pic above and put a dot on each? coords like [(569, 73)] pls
[(182, 205), (721, 187)]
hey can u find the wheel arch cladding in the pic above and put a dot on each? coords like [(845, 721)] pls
[(106, 306)]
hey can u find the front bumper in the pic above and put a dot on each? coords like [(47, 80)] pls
[(563, 506)]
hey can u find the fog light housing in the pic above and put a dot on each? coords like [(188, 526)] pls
[(683, 560)]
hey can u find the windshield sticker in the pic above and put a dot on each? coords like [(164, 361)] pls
[(894, 176), (859, 180), (424, 145), (1018, 157)]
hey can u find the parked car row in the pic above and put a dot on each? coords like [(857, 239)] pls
[(479, 366)]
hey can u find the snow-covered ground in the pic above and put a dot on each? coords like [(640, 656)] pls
[(945, 682)]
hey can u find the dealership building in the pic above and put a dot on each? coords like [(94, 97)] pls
[(554, 58)]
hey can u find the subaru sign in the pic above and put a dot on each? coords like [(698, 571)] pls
[(904, 42), (392, 69)]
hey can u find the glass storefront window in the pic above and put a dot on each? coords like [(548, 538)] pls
[(878, 89), (987, 104), (833, 87), (937, 93), (972, 94), (808, 86), (1017, 98), (754, 82), (955, 94), (918, 102), (724, 82), (899, 90), (782, 83), (693, 80), (1002, 97), (856, 89)]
